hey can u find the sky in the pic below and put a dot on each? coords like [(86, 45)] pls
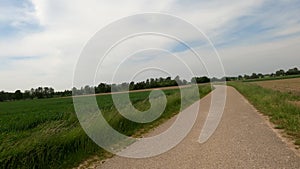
[(41, 41)]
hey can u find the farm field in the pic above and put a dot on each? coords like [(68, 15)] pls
[(45, 133), (291, 86)]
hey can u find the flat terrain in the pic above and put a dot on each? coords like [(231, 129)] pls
[(285, 85), (45, 133), (242, 140)]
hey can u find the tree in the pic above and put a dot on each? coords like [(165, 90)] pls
[(26, 94), (131, 86), (152, 83), (51, 92), (39, 93), (293, 71), (148, 83), (32, 93), (76, 91), (46, 92), (178, 81), (88, 90), (230, 78), (2, 96), (124, 87), (18, 95), (246, 77), (280, 73), (260, 75), (203, 79), (254, 76)]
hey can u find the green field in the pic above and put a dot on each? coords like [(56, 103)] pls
[(278, 105), (45, 133)]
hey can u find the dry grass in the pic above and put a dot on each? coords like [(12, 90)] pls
[(296, 103), (291, 86)]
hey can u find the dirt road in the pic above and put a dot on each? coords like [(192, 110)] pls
[(242, 140)]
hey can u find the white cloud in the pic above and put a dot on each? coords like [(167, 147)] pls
[(263, 57), (66, 26)]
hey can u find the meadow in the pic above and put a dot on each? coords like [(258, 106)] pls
[(279, 105), (45, 133)]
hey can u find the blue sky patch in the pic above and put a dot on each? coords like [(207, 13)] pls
[(17, 22)]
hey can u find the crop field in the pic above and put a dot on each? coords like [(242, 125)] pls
[(45, 133), (276, 99), (286, 85)]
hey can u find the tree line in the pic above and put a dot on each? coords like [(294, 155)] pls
[(147, 84), (38, 93), (278, 73), (49, 92)]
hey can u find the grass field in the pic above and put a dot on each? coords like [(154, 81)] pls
[(46, 133), (278, 105)]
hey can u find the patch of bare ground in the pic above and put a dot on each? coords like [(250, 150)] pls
[(94, 161), (296, 103)]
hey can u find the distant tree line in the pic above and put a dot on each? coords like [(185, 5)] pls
[(147, 84), (38, 93), (278, 73), (48, 92), (203, 79)]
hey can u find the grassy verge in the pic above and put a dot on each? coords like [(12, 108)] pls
[(46, 133), (277, 105)]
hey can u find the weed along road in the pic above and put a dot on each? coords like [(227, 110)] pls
[(243, 139)]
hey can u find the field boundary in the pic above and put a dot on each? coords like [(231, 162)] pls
[(284, 137), (96, 160), (275, 108)]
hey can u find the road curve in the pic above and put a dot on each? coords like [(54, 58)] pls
[(242, 140)]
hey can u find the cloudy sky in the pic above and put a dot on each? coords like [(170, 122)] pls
[(41, 40)]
